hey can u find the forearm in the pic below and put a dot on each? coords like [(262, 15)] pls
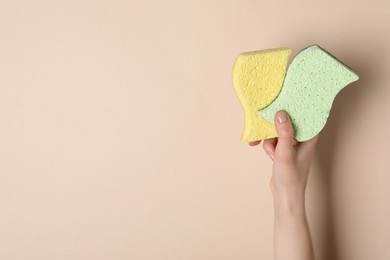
[(292, 240), (291, 165)]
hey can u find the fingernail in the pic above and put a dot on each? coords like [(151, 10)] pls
[(282, 117)]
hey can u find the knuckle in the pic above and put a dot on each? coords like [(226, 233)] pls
[(285, 132)]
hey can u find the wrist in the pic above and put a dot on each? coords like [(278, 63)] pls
[(289, 203)]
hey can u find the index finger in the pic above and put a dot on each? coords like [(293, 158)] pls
[(254, 143)]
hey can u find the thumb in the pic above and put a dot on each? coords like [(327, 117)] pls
[(285, 134)]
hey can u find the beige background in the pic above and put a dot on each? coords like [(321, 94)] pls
[(119, 130)]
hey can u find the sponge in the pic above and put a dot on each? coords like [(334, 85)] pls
[(257, 79), (312, 82)]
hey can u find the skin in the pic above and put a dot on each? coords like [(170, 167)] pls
[(291, 166)]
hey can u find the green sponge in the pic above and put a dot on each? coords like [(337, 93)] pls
[(312, 82)]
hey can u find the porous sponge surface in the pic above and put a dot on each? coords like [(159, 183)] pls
[(312, 82), (257, 79)]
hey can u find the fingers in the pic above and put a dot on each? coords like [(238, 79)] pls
[(269, 147), (285, 132), (309, 146), (254, 143)]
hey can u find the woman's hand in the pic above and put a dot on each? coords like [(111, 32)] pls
[(292, 159), (291, 167)]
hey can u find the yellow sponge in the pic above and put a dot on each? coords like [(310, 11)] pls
[(257, 79)]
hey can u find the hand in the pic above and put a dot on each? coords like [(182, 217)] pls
[(292, 239), (292, 159)]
